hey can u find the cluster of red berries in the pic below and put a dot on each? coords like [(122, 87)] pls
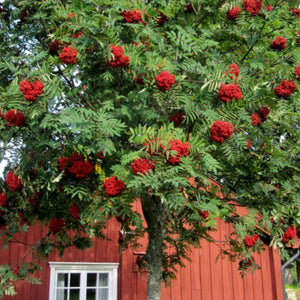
[(118, 59), (204, 214), (165, 80), (113, 186), (233, 69), (296, 12), (31, 90), (182, 150), (261, 116), (220, 131), (134, 16), (177, 118), (250, 241), (285, 88), (68, 55), (13, 181), (74, 211), (56, 225), (232, 14), (14, 118), (252, 6), (228, 92), (269, 8), (289, 234), (279, 43), (142, 165), (76, 166)]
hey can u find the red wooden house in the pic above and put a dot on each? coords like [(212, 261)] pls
[(106, 273)]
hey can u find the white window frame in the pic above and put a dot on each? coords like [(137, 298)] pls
[(84, 268)]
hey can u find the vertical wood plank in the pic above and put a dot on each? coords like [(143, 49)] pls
[(128, 277), (248, 286), (266, 274), (216, 268), (176, 287), (186, 281), (277, 278), (195, 274), (141, 285), (165, 292), (238, 284), (205, 271), (227, 277), (257, 280)]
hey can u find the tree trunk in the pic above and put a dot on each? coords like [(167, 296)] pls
[(153, 212)]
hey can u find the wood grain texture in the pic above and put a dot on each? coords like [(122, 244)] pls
[(201, 279)]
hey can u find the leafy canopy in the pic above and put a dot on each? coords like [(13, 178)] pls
[(103, 108)]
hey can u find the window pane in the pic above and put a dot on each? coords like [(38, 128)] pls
[(62, 279), (75, 279), (74, 294), (62, 294), (91, 294), (102, 294), (103, 279), (91, 279)]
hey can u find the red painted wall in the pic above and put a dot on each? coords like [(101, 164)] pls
[(202, 279)]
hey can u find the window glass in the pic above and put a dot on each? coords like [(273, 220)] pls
[(62, 294), (91, 294), (75, 280), (62, 279), (102, 294), (103, 279), (74, 294), (91, 279)]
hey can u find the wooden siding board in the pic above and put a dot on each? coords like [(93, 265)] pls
[(165, 292), (112, 250), (257, 280), (277, 282), (205, 271), (128, 276), (226, 265), (195, 275), (248, 287), (141, 285), (266, 275), (102, 248), (120, 277), (176, 286), (18, 253), (238, 283), (186, 281), (216, 268)]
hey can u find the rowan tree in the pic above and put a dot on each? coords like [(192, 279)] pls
[(173, 103)]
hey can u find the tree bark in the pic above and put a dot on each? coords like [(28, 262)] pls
[(153, 212)]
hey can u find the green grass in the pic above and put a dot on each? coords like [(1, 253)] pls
[(294, 287)]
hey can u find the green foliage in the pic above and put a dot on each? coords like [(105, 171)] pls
[(6, 283), (91, 109)]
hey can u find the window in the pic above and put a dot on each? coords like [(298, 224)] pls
[(83, 281)]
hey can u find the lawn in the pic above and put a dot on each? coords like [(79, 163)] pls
[(294, 287)]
